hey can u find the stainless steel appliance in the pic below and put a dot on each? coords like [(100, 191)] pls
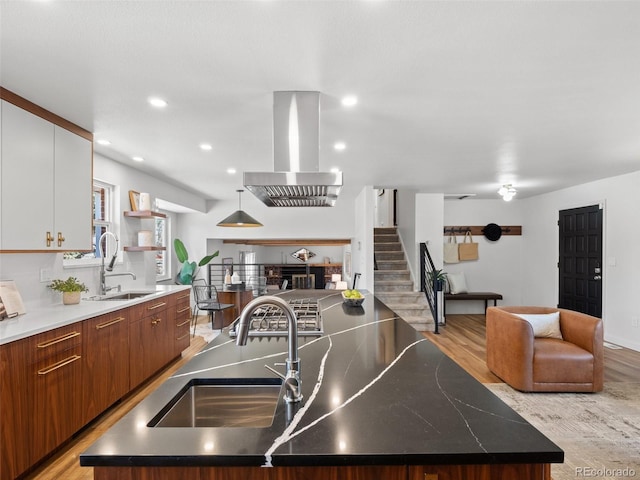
[(269, 320)]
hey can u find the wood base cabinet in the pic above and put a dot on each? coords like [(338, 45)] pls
[(381, 472), (179, 318), (57, 411), (16, 408), (106, 361), (239, 298), (54, 383), (151, 339), (41, 396)]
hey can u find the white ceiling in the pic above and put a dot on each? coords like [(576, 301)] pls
[(454, 97)]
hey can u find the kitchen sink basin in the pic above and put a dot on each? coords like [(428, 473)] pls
[(122, 296), (222, 402)]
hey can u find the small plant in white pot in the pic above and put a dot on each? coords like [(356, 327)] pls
[(71, 289)]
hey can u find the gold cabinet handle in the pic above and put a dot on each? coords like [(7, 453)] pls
[(184, 309), (183, 323), (185, 335), (186, 295), (108, 324), (157, 305), (60, 239), (49, 239), (68, 336), (156, 321), (58, 365)]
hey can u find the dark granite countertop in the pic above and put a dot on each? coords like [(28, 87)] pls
[(376, 392)]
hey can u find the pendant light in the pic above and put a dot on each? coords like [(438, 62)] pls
[(239, 218)]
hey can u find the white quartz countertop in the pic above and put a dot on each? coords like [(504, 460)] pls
[(45, 318)]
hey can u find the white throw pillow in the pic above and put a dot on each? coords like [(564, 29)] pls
[(457, 282), (545, 325)]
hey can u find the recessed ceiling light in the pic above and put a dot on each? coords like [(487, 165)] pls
[(206, 146), (339, 146), (231, 171), (349, 100), (137, 159), (335, 170), (157, 102), (104, 142)]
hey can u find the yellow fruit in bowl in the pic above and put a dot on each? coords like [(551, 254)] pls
[(352, 294)]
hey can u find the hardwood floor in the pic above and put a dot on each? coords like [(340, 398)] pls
[(462, 338)]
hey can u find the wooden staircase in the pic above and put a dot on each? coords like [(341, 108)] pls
[(393, 284)]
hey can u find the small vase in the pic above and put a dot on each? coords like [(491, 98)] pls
[(71, 298)]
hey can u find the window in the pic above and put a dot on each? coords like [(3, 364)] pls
[(163, 267), (103, 197)]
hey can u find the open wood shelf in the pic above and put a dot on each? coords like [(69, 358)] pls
[(144, 214)]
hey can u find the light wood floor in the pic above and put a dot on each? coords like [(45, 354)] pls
[(462, 339)]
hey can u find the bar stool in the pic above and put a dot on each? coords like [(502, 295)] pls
[(206, 299)]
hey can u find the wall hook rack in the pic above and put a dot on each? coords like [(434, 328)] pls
[(478, 229)]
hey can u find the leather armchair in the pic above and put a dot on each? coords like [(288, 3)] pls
[(530, 364)]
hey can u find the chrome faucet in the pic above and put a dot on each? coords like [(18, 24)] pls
[(292, 381), (103, 269)]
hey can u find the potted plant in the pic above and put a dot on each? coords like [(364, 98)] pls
[(438, 278), (189, 270), (71, 289)]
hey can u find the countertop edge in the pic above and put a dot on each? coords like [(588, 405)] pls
[(58, 315)]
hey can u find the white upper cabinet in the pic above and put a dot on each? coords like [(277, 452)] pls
[(45, 182), (72, 190)]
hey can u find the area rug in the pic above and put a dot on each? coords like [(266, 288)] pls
[(599, 432), (205, 331)]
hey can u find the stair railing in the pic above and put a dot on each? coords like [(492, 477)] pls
[(428, 282)]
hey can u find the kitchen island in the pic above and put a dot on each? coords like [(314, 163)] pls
[(380, 402)]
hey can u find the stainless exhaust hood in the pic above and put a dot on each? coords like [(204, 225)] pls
[(296, 180)]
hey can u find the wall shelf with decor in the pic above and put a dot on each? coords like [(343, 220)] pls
[(144, 214), (147, 245)]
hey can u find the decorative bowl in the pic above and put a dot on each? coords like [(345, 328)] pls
[(352, 302)]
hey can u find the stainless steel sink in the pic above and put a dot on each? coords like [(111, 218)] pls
[(222, 402), (121, 296)]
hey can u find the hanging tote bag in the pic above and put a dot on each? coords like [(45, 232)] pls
[(451, 250), (468, 249)]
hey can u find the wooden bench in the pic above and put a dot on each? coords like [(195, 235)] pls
[(486, 296)]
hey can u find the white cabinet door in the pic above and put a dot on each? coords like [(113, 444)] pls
[(46, 183), (27, 173), (72, 190)]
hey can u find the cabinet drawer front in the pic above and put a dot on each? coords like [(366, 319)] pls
[(56, 341), (155, 306), (183, 298)]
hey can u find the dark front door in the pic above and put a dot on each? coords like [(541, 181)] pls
[(580, 263)]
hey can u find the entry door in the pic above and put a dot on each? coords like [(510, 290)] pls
[(580, 263)]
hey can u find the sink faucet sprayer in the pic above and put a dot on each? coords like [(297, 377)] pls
[(103, 269), (292, 381)]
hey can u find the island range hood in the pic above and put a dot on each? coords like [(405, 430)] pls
[(296, 180)]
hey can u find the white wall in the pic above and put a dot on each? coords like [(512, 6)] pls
[(621, 270), (384, 207), (499, 266), (429, 221), (407, 224), (362, 243)]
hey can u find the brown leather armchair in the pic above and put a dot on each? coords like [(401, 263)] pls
[(531, 364)]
